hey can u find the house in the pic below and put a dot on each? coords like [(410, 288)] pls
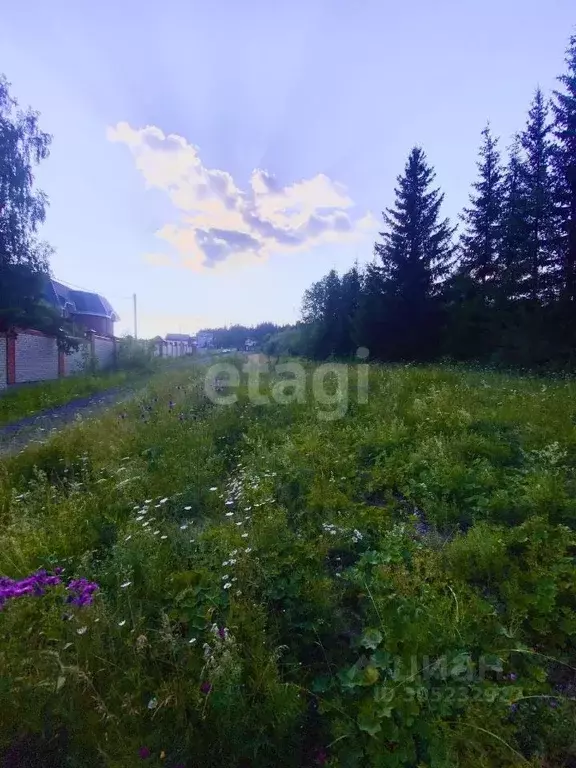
[(179, 344), (84, 309), (250, 345)]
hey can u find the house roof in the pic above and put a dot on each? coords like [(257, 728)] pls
[(179, 337), (79, 302)]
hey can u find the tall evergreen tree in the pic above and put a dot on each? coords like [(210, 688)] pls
[(482, 239), (564, 107), (369, 321), (416, 257), (538, 190), (350, 296), (511, 259)]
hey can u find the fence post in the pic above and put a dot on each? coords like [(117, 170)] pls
[(61, 363), (11, 357)]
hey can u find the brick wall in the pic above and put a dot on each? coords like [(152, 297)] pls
[(2, 362), (104, 351), (75, 361), (36, 357)]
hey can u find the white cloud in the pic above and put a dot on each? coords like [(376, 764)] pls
[(217, 223)]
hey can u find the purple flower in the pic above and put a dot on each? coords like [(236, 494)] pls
[(222, 633), (144, 753), (206, 687), (512, 676), (35, 584), (81, 591)]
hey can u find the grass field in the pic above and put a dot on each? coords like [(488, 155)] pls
[(264, 587), (29, 399)]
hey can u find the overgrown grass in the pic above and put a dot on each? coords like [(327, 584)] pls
[(393, 588), (29, 399)]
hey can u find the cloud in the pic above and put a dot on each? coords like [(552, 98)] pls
[(217, 223)]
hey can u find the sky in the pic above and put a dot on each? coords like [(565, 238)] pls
[(217, 158)]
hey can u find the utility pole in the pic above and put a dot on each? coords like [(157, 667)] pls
[(135, 318)]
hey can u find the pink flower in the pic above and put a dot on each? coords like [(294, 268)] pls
[(144, 753)]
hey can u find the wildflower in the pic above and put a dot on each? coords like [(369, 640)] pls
[(192, 641), (244, 535), (187, 509), (248, 550), (229, 514), (229, 502), (321, 757), (141, 642), (144, 753), (228, 585), (164, 537), (162, 755), (225, 577), (156, 533), (240, 522), (223, 633), (126, 584), (183, 526), (153, 703), (81, 630), (163, 501), (206, 687), (128, 537), (513, 677), (121, 623), (214, 488)]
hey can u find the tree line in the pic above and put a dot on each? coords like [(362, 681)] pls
[(502, 289)]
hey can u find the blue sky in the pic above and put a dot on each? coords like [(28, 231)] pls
[(216, 158)]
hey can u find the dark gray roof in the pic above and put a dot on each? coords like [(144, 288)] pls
[(179, 337), (79, 302)]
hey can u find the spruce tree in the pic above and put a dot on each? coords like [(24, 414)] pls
[(482, 239), (350, 295), (536, 179), (511, 273), (564, 107), (416, 257)]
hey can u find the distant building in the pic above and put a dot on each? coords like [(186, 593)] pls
[(250, 345), (89, 311), (178, 344)]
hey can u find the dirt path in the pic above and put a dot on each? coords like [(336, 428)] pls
[(42, 425)]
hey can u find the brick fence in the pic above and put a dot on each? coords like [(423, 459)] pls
[(28, 355)]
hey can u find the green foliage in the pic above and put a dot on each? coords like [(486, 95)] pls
[(28, 399), (134, 355), (509, 296), (267, 599)]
